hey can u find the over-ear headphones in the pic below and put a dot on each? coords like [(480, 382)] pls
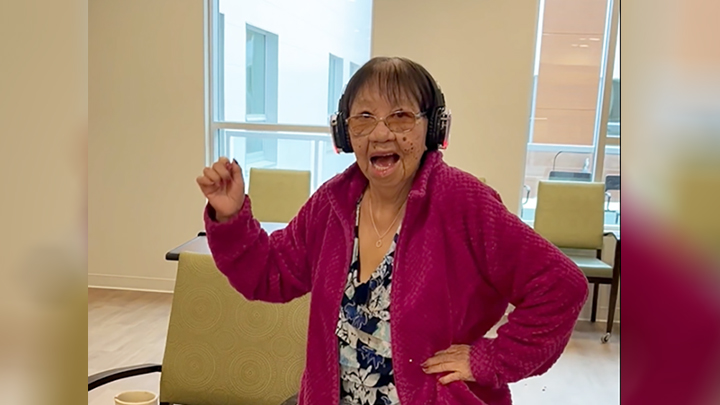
[(438, 117)]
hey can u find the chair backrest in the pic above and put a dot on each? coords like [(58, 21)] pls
[(612, 182), (224, 349), (571, 214), (277, 195), (569, 176)]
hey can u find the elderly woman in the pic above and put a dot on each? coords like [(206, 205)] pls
[(409, 261)]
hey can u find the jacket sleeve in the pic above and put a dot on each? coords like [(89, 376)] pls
[(546, 288), (272, 268)]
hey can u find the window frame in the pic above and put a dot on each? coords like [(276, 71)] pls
[(336, 74), (216, 137), (603, 143)]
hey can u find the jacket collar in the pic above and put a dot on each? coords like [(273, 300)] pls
[(346, 189)]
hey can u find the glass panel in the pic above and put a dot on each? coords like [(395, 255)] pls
[(567, 88), (353, 68), (297, 37), (255, 73), (611, 164), (290, 151), (611, 177), (335, 83), (614, 114)]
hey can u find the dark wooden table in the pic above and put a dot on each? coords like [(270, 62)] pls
[(199, 244)]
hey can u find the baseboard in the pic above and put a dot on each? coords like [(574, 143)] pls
[(134, 283)]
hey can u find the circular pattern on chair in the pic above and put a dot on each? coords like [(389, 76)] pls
[(293, 374), (193, 366), (201, 308), (257, 320), (298, 320), (281, 346), (225, 340), (221, 396), (251, 372), (203, 266), (275, 399)]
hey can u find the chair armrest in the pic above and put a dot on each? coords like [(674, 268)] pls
[(616, 261), (613, 234), (608, 198), (104, 377)]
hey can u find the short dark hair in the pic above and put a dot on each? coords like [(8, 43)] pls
[(396, 78)]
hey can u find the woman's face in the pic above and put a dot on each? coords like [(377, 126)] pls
[(387, 158)]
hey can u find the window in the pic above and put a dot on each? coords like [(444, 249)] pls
[(272, 80), (611, 161), (353, 68), (565, 139), (261, 56), (335, 83), (614, 112), (255, 76)]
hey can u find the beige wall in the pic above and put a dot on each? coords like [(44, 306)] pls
[(481, 53), (146, 139), (147, 114), (43, 107)]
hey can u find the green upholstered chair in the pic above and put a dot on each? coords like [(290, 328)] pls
[(222, 348), (571, 216), (277, 195)]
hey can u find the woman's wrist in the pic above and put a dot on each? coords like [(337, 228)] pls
[(224, 218), (218, 217)]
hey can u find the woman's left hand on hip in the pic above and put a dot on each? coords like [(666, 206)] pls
[(455, 361)]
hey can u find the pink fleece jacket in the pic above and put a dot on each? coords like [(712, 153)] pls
[(461, 258)]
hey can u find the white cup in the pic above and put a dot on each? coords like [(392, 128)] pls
[(136, 398)]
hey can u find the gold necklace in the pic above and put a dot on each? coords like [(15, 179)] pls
[(379, 242)]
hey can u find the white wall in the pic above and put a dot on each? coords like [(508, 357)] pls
[(146, 137)]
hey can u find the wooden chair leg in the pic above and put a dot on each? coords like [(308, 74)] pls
[(593, 312), (614, 287)]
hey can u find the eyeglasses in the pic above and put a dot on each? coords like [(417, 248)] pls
[(398, 122)]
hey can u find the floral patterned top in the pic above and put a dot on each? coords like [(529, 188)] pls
[(363, 330)]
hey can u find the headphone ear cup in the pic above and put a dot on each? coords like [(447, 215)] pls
[(444, 120), (346, 144), (340, 138), (431, 139), (438, 129)]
